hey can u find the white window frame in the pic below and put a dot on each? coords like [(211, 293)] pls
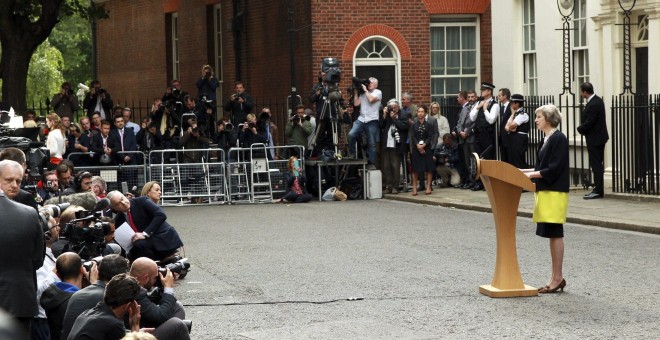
[(460, 21), (529, 48), (176, 70), (217, 36), (395, 60)]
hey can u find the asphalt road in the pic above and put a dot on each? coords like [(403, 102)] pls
[(382, 270)]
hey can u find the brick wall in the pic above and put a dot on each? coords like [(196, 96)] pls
[(133, 63)]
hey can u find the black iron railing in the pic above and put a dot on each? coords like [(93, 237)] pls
[(636, 144)]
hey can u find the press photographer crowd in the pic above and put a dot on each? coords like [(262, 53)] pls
[(82, 260)]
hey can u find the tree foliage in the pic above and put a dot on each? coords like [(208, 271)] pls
[(73, 38), (24, 25), (44, 74)]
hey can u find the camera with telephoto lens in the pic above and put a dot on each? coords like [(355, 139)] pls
[(195, 129), (357, 84), (228, 126), (396, 135), (206, 102), (88, 264), (179, 265)]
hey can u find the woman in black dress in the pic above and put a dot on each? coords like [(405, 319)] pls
[(421, 133), (551, 175)]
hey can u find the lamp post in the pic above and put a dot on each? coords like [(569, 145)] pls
[(566, 10), (626, 6)]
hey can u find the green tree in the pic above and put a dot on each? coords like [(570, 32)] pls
[(24, 25), (73, 37), (44, 74)]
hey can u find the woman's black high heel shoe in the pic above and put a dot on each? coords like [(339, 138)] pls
[(547, 289)]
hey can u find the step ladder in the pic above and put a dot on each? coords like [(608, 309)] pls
[(239, 184), (261, 188)]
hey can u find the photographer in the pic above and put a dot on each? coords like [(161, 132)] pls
[(225, 135), (48, 187), (173, 97), (90, 296), (164, 315), (78, 143), (367, 121), (21, 254), (252, 132), (55, 298), (193, 138), (65, 103), (98, 100), (319, 96), (45, 275), (447, 158), (192, 110), (297, 130), (207, 83), (239, 103), (165, 119), (393, 138)]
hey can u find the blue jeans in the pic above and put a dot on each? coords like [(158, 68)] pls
[(371, 128)]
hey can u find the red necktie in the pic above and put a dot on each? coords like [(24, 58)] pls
[(130, 222)]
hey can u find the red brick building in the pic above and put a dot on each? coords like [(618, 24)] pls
[(429, 48)]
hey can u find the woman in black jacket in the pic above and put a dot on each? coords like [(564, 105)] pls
[(551, 175), (421, 143)]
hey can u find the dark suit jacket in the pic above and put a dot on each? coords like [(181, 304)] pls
[(504, 135), (130, 144), (593, 125), (153, 315), (26, 198), (78, 160), (150, 218), (553, 162), (22, 252), (81, 301), (96, 146)]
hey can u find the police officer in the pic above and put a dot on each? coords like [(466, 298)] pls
[(517, 127), (484, 114)]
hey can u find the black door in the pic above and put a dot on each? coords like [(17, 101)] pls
[(386, 79), (642, 70)]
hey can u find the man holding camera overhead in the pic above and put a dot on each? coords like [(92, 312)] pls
[(239, 104), (367, 121)]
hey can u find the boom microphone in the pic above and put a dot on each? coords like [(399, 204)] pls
[(86, 200)]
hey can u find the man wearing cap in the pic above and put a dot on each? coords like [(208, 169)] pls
[(484, 114), (517, 128), (594, 129)]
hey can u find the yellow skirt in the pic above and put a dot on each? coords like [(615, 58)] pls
[(550, 207)]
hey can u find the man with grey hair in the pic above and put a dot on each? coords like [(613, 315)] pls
[(22, 196), (21, 249), (367, 121)]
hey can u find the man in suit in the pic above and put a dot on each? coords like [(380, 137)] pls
[(594, 129), (91, 295), (464, 133), (21, 254), (154, 237), (123, 143), (503, 96), (100, 146), (11, 179)]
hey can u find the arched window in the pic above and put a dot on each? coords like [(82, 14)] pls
[(374, 48)]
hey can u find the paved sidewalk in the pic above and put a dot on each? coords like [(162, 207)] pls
[(617, 211)]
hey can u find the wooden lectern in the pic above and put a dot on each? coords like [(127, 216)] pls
[(504, 184)]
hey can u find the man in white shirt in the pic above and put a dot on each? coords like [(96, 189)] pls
[(367, 121)]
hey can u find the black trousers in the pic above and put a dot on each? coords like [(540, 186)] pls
[(597, 165), (484, 139), (516, 150)]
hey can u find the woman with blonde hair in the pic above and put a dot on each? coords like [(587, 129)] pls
[(443, 123), (295, 181), (152, 190), (56, 140), (552, 178)]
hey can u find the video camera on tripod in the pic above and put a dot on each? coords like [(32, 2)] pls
[(330, 66)]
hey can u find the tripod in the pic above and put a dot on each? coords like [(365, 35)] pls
[(327, 117)]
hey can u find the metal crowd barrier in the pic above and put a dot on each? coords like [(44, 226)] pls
[(134, 176), (241, 172), (183, 183)]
